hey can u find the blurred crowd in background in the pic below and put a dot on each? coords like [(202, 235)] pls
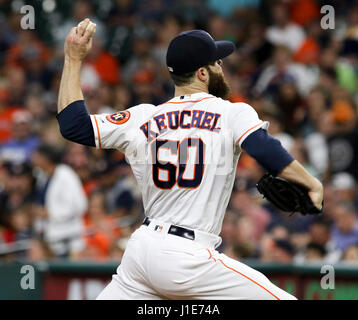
[(63, 200)]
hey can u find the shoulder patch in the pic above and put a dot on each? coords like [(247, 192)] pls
[(119, 117)]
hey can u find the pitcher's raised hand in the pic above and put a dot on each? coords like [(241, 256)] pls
[(79, 41)]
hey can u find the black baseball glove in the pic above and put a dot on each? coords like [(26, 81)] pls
[(286, 196)]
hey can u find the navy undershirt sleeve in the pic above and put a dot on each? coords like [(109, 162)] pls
[(75, 124), (267, 151)]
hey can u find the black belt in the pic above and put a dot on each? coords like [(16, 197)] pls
[(176, 230)]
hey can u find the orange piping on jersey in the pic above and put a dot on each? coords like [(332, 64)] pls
[(211, 256), (194, 101), (238, 141), (99, 136), (249, 279)]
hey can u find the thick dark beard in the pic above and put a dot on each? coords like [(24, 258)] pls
[(218, 85)]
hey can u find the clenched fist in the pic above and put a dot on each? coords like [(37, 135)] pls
[(79, 41)]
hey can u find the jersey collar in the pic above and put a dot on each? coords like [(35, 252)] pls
[(191, 97)]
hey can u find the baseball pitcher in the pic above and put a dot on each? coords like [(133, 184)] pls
[(184, 155)]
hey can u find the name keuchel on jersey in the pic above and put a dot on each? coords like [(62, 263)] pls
[(184, 119)]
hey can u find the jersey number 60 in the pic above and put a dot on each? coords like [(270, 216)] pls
[(180, 149)]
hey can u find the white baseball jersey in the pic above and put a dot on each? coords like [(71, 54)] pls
[(183, 154)]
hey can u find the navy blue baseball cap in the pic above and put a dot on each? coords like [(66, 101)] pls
[(193, 49)]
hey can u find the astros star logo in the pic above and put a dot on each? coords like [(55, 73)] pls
[(119, 117)]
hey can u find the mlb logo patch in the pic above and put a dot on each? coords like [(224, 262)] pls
[(158, 228)]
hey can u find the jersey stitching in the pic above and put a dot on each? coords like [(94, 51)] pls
[(238, 141)]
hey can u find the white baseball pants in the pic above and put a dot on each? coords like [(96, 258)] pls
[(158, 265)]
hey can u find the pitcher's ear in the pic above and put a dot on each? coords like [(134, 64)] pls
[(202, 74)]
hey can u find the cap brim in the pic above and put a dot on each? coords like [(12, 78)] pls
[(223, 49)]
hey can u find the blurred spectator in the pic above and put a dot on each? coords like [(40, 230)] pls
[(255, 218), (171, 25), (117, 249), (316, 130), (304, 11), (315, 252), (320, 234), (345, 227), (18, 190), (255, 44), (342, 143), (116, 188), (76, 156), (299, 152), (291, 106), (20, 223), (142, 50), (219, 28), (30, 54), (229, 229), (122, 97), (35, 104), (95, 102), (279, 232), (350, 255), (81, 9), (101, 229), (99, 67), (319, 246), (243, 250), (6, 115), (143, 88), (15, 86), (231, 5), (308, 52), (345, 186), (61, 203), (19, 147), (283, 70), (276, 129), (278, 250), (39, 251), (284, 31)]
